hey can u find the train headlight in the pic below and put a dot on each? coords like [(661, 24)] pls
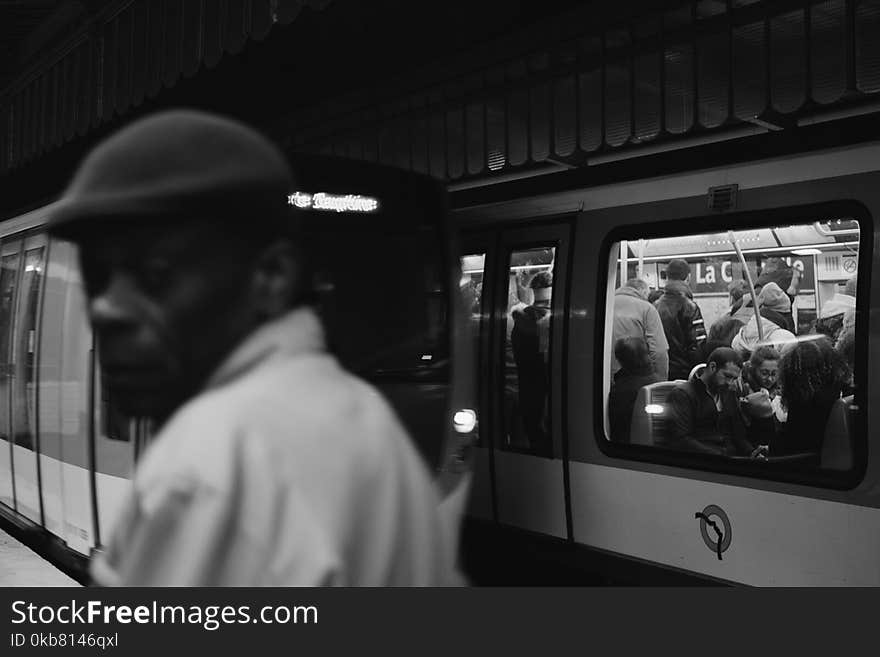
[(464, 420), (654, 409)]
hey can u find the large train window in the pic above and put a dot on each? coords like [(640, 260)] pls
[(9, 261), (738, 347), (25, 347)]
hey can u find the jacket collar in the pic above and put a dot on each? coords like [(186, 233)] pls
[(297, 332), (629, 292), (678, 287)]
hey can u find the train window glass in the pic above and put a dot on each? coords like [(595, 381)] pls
[(24, 364), (9, 261), (472, 273), (8, 285), (526, 361), (473, 268), (114, 425), (689, 367)]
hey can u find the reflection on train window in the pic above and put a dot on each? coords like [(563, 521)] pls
[(738, 344), (527, 377)]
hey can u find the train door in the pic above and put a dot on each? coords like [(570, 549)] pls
[(9, 261), (518, 281), (65, 404), (23, 378)]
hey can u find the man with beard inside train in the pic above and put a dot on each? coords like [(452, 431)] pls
[(704, 412), (273, 465)]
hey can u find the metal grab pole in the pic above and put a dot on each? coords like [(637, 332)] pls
[(742, 261), (641, 268)]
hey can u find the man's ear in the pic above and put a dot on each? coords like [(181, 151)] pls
[(276, 279)]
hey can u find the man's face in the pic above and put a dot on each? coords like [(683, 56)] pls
[(722, 378), (167, 304), (767, 373)]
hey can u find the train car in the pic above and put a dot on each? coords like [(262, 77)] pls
[(555, 487), (385, 280)]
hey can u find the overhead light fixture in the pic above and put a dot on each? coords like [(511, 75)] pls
[(806, 252)]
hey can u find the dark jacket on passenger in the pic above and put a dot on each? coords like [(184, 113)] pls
[(804, 431), (622, 399), (683, 325), (696, 425), (530, 342)]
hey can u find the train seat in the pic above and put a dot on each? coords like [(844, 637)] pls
[(837, 447), (650, 414)]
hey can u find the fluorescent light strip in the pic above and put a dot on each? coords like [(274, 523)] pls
[(771, 249), (514, 268)]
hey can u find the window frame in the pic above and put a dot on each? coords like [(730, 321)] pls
[(743, 220)]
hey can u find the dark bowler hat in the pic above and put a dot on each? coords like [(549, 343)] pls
[(177, 164)]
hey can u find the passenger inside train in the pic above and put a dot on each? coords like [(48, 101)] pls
[(527, 349), (762, 331), (529, 340), (635, 371)]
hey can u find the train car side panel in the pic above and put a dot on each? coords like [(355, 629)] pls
[(776, 539)]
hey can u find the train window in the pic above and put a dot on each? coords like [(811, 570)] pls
[(739, 346), (24, 351), (113, 425), (9, 260), (473, 271), (526, 408)]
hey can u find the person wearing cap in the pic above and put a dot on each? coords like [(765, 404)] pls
[(272, 465), (530, 340), (682, 321), (774, 307), (775, 270)]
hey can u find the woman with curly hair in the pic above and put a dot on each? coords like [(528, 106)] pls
[(812, 375)]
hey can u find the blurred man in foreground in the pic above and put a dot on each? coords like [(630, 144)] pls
[(273, 465)]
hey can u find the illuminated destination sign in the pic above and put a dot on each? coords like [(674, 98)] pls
[(333, 202)]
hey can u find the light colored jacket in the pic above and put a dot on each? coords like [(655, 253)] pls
[(635, 317), (285, 471), (747, 339)]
